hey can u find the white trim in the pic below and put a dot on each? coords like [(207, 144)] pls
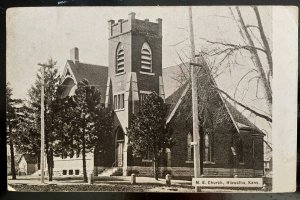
[(118, 110), (120, 73), (146, 160), (146, 57), (147, 73), (67, 67), (146, 67), (177, 104), (120, 92), (209, 162), (222, 99), (145, 92), (120, 59)]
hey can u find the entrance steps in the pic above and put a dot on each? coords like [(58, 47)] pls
[(38, 173), (108, 171)]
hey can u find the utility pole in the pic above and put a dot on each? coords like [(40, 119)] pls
[(42, 124), (196, 137)]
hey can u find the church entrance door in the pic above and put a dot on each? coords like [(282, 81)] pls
[(119, 154), (119, 142)]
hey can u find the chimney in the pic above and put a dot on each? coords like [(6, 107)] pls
[(74, 55)]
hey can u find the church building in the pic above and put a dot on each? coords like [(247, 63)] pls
[(233, 147)]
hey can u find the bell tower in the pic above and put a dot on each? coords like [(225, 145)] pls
[(135, 69)]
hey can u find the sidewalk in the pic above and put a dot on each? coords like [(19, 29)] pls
[(112, 183)]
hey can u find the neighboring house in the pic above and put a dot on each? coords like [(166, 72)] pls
[(17, 157), (72, 166), (8, 165), (75, 71), (27, 164), (268, 166), (230, 147)]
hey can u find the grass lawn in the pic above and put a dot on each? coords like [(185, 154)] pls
[(116, 187), (111, 184), (117, 184)]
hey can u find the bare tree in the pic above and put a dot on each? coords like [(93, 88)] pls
[(219, 56), (225, 56), (256, 59)]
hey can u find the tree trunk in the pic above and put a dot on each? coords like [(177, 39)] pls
[(257, 62), (265, 41), (49, 158), (12, 160), (39, 161), (83, 157), (50, 164), (155, 166)]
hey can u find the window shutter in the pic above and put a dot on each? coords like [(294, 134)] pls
[(120, 59), (146, 58)]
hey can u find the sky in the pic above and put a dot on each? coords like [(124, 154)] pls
[(36, 34)]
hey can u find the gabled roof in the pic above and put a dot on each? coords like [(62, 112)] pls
[(173, 79), (238, 119), (242, 121), (29, 159), (175, 99), (17, 158), (96, 75)]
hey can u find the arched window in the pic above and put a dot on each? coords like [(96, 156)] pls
[(120, 59), (241, 151), (208, 147), (189, 147), (146, 58)]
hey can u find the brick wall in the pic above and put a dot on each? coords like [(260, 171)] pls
[(222, 142), (224, 137), (253, 150)]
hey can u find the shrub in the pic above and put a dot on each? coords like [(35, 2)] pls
[(165, 172)]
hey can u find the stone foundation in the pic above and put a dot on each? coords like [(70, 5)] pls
[(188, 172)]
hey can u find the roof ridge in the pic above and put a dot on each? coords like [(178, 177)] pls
[(177, 104), (92, 64), (234, 118), (247, 121), (84, 63), (176, 65)]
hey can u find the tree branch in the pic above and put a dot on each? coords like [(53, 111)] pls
[(257, 62), (244, 106), (251, 26), (242, 79), (264, 39), (236, 46)]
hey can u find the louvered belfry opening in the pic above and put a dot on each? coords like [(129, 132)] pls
[(146, 58), (120, 59)]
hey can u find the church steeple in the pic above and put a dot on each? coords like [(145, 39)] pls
[(135, 68)]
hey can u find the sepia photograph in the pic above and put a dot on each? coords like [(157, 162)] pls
[(140, 99)]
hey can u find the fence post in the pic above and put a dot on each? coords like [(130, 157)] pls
[(91, 178), (168, 180), (133, 179)]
